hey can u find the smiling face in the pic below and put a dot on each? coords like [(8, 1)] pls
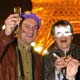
[(28, 31), (63, 36)]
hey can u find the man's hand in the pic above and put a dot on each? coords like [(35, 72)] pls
[(10, 23), (59, 64), (71, 68)]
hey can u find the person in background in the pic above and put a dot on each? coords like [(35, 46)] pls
[(62, 62), (18, 60)]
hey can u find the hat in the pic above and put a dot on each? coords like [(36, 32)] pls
[(31, 15)]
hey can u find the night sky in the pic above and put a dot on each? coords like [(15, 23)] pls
[(6, 7)]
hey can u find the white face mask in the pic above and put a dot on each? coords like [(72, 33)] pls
[(62, 31)]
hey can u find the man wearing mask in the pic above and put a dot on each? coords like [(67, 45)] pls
[(18, 61), (62, 62)]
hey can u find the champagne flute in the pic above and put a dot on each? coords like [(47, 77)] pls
[(17, 10)]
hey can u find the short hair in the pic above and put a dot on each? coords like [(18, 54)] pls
[(62, 23)]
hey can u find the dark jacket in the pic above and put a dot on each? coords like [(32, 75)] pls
[(8, 60), (49, 61)]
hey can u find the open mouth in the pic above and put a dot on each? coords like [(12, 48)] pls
[(63, 41)]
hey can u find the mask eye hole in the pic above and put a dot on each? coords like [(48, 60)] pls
[(67, 32), (58, 32)]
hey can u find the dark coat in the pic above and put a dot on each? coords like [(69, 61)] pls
[(49, 61), (8, 60)]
